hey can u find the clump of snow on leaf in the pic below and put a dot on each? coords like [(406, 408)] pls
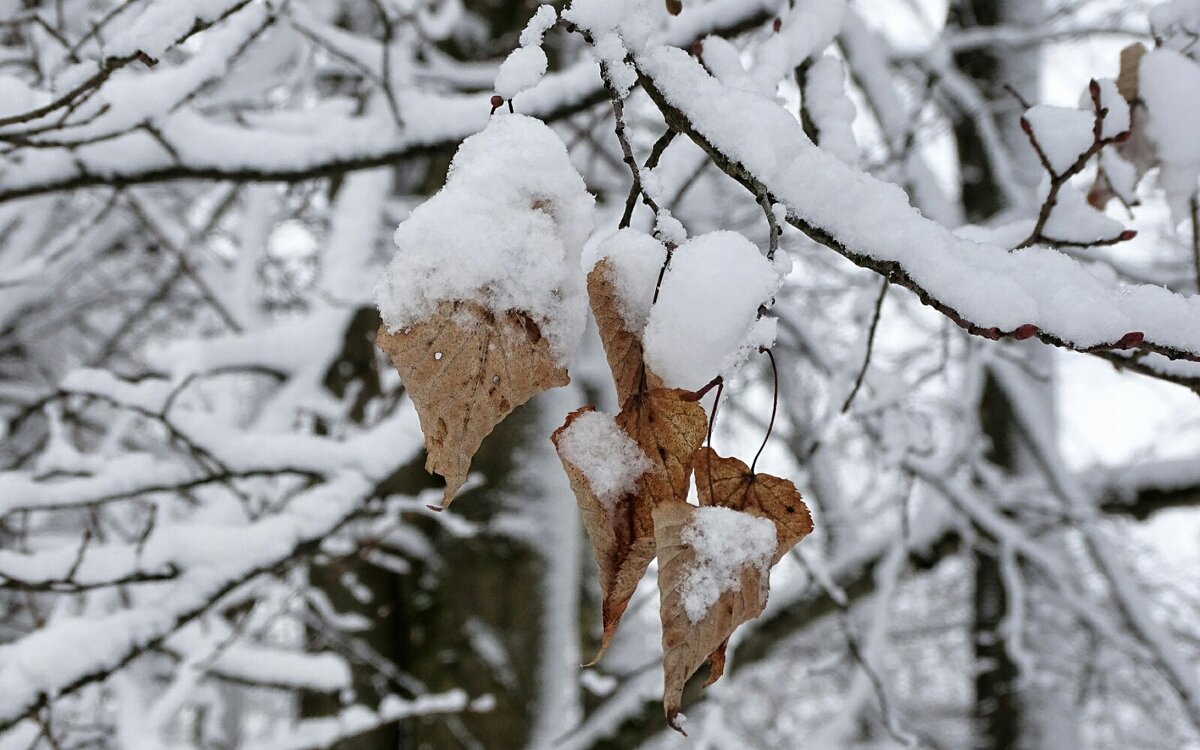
[(526, 65), (705, 321), (505, 232), (725, 541), (607, 456), (636, 259)]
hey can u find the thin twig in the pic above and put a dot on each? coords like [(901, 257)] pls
[(1059, 180), (656, 153), (774, 407), (862, 371), (773, 230)]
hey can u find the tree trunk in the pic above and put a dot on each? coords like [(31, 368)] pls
[(996, 711)]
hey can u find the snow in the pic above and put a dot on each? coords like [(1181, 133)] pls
[(74, 648), (505, 232), (831, 110), (544, 18), (522, 69), (1184, 13), (725, 542), (289, 142), (808, 27), (1074, 220), (607, 456), (1169, 84), (703, 324), (1122, 176), (322, 732), (1116, 117), (161, 24), (526, 65), (873, 221), (635, 260), (15, 96), (616, 26), (1064, 133)]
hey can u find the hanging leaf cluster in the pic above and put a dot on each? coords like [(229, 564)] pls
[(466, 367)]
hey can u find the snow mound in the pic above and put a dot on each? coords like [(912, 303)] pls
[(635, 260), (705, 322), (725, 541), (607, 456), (505, 232)]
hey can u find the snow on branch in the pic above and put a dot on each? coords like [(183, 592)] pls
[(290, 146), (986, 289), (72, 652)]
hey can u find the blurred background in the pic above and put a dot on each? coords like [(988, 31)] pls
[(213, 530)]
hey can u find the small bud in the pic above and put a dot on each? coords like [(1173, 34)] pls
[(497, 100), (1127, 235), (674, 7), (1130, 340), (992, 333), (698, 48), (1026, 126), (1123, 136), (1094, 88), (1027, 331), (777, 24)]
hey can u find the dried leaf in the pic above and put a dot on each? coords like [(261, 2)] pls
[(466, 369), (729, 483), (686, 644), (622, 539), (622, 347), (1127, 77), (669, 427)]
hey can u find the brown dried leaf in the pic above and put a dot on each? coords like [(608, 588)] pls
[(687, 644), (729, 483), (1127, 77), (466, 369), (669, 428), (622, 540), (622, 347)]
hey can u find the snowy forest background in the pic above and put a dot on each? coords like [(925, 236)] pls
[(213, 522)]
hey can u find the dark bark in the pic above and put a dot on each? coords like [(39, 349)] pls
[(995, 711)]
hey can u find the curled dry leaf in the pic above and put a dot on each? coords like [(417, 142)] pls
[(725, 483), (466, 369), (622, 346), (622, 536), (687, 643), (729, 483), (669, 427)]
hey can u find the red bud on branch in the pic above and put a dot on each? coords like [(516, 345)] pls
[(1027, 331), (1130, 340)]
